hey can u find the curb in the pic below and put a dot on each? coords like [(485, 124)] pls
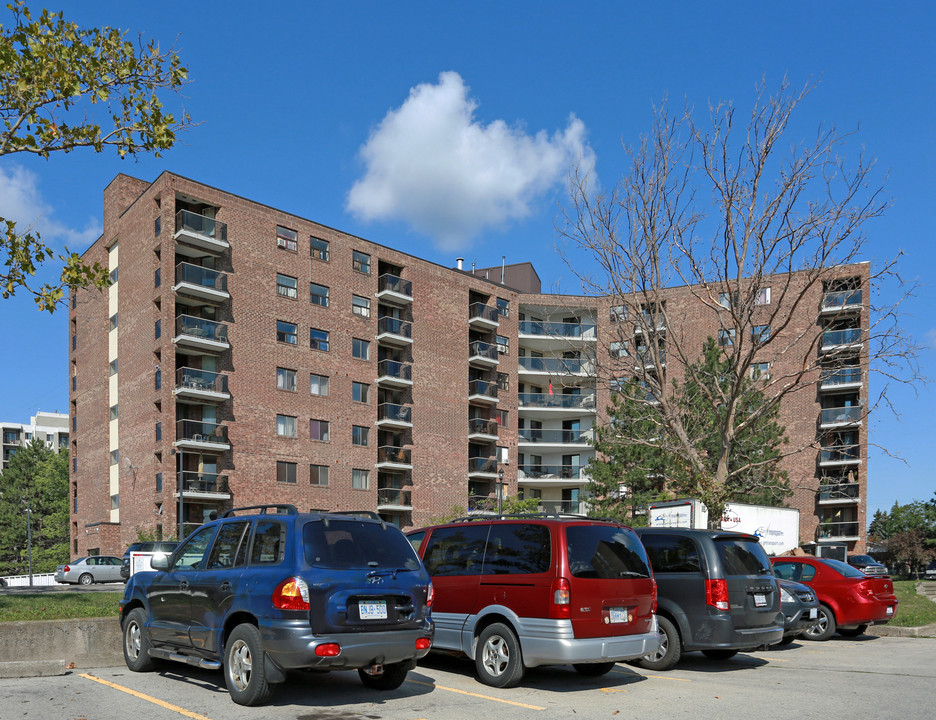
[(896, 631), (53, 647)]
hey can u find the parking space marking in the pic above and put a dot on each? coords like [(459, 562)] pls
[(667, 677), (612, 690), (148, 698), (477, 695)]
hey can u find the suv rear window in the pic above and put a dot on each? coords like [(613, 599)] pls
[(597, 551), (672, 553), (342, 544), (742, 557)]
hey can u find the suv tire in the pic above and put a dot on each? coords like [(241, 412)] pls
[(670, 647), (594, 669), (244, 672), (498, 658), (391, 678), (135, 643), (824, 627)]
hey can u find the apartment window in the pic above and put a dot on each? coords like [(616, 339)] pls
[(760, 333), (157, 379), (157, 277), (503, 381), (360, 479), (318, 339), (618, 348), (157, 226), (360, 435), (75, 423), (158, 432), (114, 457), (318, 475), (360, 392), (318, 248), (503, 455), (318, 385), (285, 379), (760, 371), (724, 299), (360, 349), (318, 430), (503, 344), (159, 482), (287, 332), (113, 367), (503, 307), (286, 286), (113, 276), (360, 262), (74, 382), (726, 337), (115, 502), (75, 341), (618, 313), (286, 238), (113, 412), (113, 321), (360, 305), (74, 300), (158, 328), (286, 426), (286, 472), (318, 294), (617, 384), (501, 417), (762, 297)]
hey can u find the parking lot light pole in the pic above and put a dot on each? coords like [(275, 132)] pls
[(500, 491)]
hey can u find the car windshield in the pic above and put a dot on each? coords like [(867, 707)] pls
[(862, 559), (603, 551), (342, 544), (743, 557), (843, 568)]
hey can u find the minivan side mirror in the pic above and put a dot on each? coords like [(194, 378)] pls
[(159, 561)]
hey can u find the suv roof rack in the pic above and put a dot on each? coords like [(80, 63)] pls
[(524, 516), (281, 509), (356, 513)]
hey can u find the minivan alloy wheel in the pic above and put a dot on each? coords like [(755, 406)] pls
[(498, 658)]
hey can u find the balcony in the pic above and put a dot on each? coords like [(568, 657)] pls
[(839, 494), (482, 467), (396, 374), (394, 415), (393, 331), (391, 457), (481, 315), (482, 353), (200, 334), (652, 322), (202, 232), (205, 485), (644, 358), (556, 366), (200, 385), (840, 378), (841, 301), (482, 429), (565, 331), (394, 499), (840, 339), (841, 416), (482, 391), (837, 531), (550, 472), (562, 507), (485, 504), (200, 282), (394, 290), (555, 437), (201, 435), (840, 455), (556, 401)]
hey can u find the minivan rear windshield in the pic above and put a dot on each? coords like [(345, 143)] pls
[(743, 557), (343, 544), (603, 551)]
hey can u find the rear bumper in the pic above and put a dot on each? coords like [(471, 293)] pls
[(718, 632), (798, 623), (861, 610), (561, 648)]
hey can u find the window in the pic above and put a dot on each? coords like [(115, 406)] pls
[(157, 226), (457, 551), (157, 278), (74, 465), (318, 339), (503, 344), (360, 479), (113, 412), (113, 367), (514, 549), (602, 552), (672, 554), (501, 417), (760, 370), (158, 431), (318, 294), (286, 238), (115, 502), (113, 321), (285, 472), (286, 286), (269, 541), (618, 384), (286, 426), (285, 379), (318, 430), (760, 333), (287, 332), (618, 313), (114, 457), (318, 385), (724, 299), (158, 328), (503, 381), (360, 305), (158, 379), (360, 435), (618, 348), (360, 349), (726, 337), (318, 475), (360, 262), (74, 382), (318, 248), (360, 392), (503, 455), (75, 341), (113, 276), (229, 550), (503, 307), (159, 482), (762, 297)]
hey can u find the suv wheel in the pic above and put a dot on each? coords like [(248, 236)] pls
[(391, 678), (135, 643), (856, 631), (86, 578), (670, 647), (498, 657), (594, 669), (719, 654), (244, 673), (824, 627)]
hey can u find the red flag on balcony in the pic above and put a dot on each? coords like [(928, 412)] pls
[(550, 387)]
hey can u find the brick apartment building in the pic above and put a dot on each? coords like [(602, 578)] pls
[(244, 355)]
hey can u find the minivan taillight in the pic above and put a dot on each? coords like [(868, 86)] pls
[(716, 594), (653, 605), (559, 593), (291, 594)]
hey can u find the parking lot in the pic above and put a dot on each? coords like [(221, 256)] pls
[(842, 678)]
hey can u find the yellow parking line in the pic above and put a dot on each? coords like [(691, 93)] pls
[(666, 677), (612, 690), (142, 696), (483, 697)]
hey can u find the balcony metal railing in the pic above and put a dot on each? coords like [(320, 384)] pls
[(481, 426), (840, 453), (841, 376), (394, 284), (841, 337), (653, 321), (394, 496), (394, 369), (201, 276), (840, 299), (201, 431), (480, 311), (482, 465), (645, 358), (483, 350), (193, 379), (558, 329), (839, 491), (201, 328), (486, 388), (837, 530), (555, 365), (566, 437), (585, 401), (395, 412), (394, 326), (200, 225), (841, 415), (394, 454), (197, 482), (482, 503), (546, 472)]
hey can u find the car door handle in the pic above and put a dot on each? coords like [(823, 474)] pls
[(183, 585), (226, 586)]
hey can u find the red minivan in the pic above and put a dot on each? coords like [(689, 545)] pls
[(849, 599), (519, 591)]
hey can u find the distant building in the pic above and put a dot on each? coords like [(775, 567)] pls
[(51, 428)]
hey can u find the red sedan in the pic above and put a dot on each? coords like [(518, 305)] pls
[(849, 599)]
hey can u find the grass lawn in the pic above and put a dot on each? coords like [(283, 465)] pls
[(58, 606), (914, 609)]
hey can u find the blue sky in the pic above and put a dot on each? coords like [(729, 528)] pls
[(310, 107)]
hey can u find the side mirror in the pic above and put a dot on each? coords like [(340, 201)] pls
[(159, 561)]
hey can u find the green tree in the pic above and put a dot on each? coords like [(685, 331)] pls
[(63, 87)]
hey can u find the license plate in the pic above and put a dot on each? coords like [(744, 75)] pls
[(813, 613), (372, 609), (618, 615), (890, 611), (760, 600)]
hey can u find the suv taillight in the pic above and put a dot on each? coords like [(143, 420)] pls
[(716, 594), (560, 607), (430, 596), (291, 594)]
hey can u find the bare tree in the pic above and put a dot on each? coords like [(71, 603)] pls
[(709, 216)]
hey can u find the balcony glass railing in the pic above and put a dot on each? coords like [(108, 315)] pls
[(545, 400), (201, 431), (555, 365), (565, 472), (204, 482), (193, 379), (394, 496), (837, 530), (841, 376), (558, 329), (201, 328), (646, 358), (482, 465), (561, 506), (839, 491), (840, 453), (200, 225), (480, 311), (201, 276), (841, 337), (394, 369), (555, 436), (483, 350), (841, 415), (394, 326), (485, 388), (481, 426), (482, 503), (394, 454), (395, 412), (392, 283), (10, 438), (841, 298)]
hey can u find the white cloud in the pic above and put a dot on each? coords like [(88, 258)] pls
[(431, 164), (21, 201)]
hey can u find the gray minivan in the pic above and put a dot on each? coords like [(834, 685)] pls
[(716, 592)]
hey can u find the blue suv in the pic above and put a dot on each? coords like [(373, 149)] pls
[(267, 589)]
